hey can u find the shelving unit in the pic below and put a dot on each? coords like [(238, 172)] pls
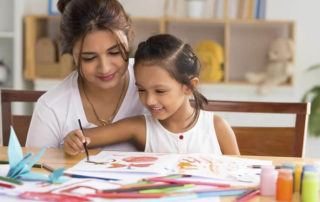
[(11, 12), (245, 42)]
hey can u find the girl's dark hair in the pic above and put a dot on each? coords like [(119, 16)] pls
[(177, 58), (79, 17)]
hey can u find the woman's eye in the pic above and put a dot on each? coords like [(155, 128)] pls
[(88, 59), (140, 90)]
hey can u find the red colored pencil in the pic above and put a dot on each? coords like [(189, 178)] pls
[(10, 186), (248, 196), (125, 195)]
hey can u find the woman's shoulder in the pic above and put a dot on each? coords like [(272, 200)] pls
[(62, 92)]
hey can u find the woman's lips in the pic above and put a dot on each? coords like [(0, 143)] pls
[(107, 77)]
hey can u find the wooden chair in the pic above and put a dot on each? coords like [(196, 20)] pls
[(268, 141), (20, 123)]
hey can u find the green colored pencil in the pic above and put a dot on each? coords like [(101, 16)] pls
[(7, 179), (34, 165)]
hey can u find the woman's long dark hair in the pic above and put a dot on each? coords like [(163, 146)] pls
[(79, 17), (178, 58)]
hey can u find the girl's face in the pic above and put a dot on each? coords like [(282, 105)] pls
[(102, 65), (159, 92)]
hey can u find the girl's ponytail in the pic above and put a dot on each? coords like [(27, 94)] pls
[(62, 5)]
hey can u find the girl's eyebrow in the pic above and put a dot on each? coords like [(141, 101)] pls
[(109, 49)]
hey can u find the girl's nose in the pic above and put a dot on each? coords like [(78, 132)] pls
[(151, 100)]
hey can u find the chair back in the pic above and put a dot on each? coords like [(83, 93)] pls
[(20, 123), (268, 141)]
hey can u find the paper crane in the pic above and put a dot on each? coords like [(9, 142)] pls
[(20, 166)]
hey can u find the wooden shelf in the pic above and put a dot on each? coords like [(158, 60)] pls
[(245, 41)]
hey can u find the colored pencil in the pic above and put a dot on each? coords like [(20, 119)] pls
[(7, 179), (175, 181), (85, 143), (248, 196), (139, 188), (10, 186), (125, 195), (34, 165), (219, 193), (47, 167), (90, 177), (164, 190), (259, 166)]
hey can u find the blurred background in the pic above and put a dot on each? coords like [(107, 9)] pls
[(231, 37)]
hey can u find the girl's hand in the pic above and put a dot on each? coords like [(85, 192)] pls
[(73, 142)]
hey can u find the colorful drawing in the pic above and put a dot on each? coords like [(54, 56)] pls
[(124, 164)]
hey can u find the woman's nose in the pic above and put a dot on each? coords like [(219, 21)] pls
[(104, 64)]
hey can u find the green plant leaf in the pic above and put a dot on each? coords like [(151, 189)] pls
[(314, 118), (313, 67), (315, 90)]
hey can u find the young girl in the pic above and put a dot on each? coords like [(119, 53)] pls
[(166, 72)]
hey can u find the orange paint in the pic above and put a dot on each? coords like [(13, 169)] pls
[(117, 165), (186, 165), (284, 185)]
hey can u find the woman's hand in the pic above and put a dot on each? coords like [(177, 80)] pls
[(73, 142)]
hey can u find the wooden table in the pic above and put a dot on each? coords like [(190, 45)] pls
[(56, 159)]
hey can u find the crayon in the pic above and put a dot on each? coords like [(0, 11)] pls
[(7, 179)]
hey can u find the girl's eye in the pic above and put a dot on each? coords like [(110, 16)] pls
[(160, 91), (88, 59), (140, 90), (114, 53)]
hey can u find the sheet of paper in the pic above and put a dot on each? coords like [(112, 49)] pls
[(132, 162), (137, 165)]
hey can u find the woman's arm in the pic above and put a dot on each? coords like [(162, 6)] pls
[(123, 130), (226, 137)]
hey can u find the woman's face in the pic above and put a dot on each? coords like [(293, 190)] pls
[(102, 65)]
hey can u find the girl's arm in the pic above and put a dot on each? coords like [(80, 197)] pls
[(226, 137), (124, 130)]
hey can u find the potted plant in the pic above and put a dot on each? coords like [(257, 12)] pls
[(314, 94)]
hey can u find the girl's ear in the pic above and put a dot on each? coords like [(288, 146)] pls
[(194, 82)]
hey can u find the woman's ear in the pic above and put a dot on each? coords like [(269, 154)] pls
[(194, 82)]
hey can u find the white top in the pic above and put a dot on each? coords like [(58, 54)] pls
[(201, 138), (58, 110)]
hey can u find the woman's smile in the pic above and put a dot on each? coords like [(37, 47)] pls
[(107, 77)]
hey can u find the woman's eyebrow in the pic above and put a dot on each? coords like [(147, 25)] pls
[(109, 49)]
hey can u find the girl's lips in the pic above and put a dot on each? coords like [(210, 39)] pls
[(107, 78)]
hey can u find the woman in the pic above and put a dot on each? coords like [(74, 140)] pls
[(98, 34)]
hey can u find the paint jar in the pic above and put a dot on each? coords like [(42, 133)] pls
[(268, 179), (317, 166), (297, 179), (284, 185), (304, 169), (310, 188), (290, 166)]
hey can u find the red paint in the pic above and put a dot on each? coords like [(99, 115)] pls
[(140, 159), (140, 165)]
